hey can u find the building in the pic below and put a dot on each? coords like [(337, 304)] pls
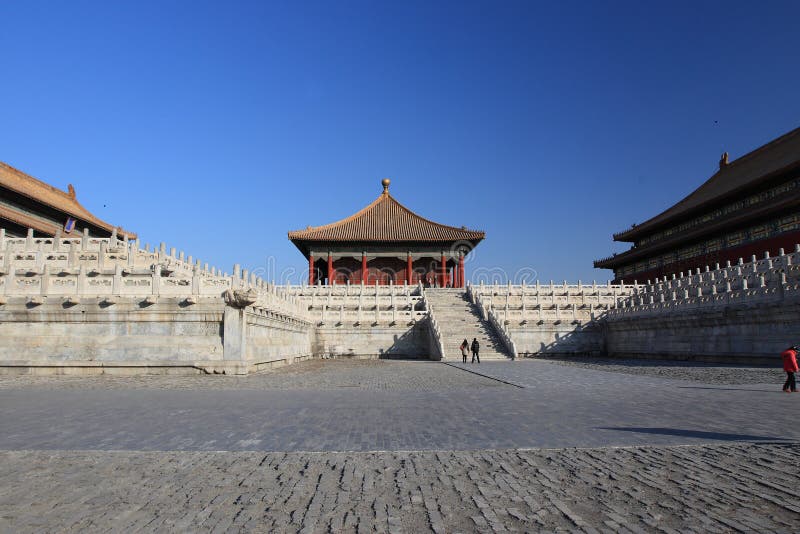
[(749, 207), (26, 202), (386, 243)]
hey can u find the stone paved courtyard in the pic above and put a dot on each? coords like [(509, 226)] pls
[(709, 373), (308, 375), (401, 446)]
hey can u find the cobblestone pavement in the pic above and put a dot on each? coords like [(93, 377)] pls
[(556, 406), (709, 373), (386, 446), (312, 374), (702, 489), (584, 371)]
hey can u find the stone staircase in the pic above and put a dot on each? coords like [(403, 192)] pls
[(458, 318)]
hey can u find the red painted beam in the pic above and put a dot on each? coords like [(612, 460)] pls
[(772, 245)]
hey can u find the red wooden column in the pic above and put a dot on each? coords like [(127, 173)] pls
[(330, 269), (461, 271), (311, 269), (409, 270), (444, 271), (456, 277), (364, 272)]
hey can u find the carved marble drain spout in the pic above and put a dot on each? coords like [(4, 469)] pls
[(240, 298)]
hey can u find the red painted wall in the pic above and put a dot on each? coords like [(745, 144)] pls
[(381, 271), (772, 245)]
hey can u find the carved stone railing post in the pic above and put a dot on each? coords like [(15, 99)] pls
[(116, 285), (101, 257), (156, 285), (236, 276), (44, 283), (81, 287)]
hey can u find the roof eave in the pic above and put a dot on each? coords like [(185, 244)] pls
[(86, 217), (306, 240), (746, 217), (653, 224)]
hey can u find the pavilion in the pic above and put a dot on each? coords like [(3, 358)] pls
[(386, 243)]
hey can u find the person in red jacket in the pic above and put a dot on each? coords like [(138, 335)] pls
[(790, 366)]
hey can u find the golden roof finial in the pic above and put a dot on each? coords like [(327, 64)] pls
[(385, 183)]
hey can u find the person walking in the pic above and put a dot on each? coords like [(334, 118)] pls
[(790, 366), (475, 348), (464, 348)]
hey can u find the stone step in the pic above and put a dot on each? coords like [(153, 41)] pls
[(484, 343), (483, 357), (458, 319), (492, 354)]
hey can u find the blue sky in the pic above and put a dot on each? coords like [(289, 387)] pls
[(218, 127)]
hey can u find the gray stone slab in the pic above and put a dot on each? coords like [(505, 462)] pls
[(558, 407)]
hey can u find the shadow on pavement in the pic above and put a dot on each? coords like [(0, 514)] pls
[(694, 434)]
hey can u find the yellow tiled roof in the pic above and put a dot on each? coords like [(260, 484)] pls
[(19, 182), (386, 220)]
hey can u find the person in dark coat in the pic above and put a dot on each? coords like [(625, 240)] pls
[(475, 348), (790, 366), (464, 349)]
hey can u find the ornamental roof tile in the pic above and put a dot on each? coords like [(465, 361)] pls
[(26, 185), (386, 220)]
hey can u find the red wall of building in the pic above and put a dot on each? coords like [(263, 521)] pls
[(382, 271), (772, 245)]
